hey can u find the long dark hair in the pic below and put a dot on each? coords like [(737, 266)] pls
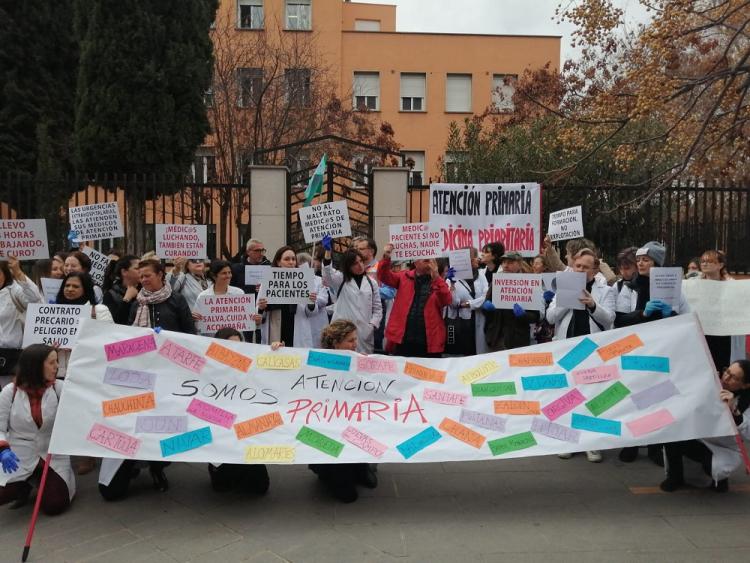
[(497, 249), (348, 260), (8, 277), (30, 367), (88, 290), (279, 253), (115, 268), (225, 333), (743, 401)]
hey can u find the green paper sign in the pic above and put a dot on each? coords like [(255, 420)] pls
[(319, 441), (493, 389), (512, 443), (607, 398)]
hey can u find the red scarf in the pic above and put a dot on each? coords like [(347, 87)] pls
[(35, 401)]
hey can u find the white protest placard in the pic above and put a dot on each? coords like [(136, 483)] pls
[(181, 241), (26, 239), (306, 406), (477, 214), (665, 284), (54, 325), (50, 288), (548, 281), (570, 286), (460, 260), (219, 311), (95, 222), (287, 285), (414, 241), (566, 224), (330, 219), (99, 264), (522, 289), (254, 275), (723, 307)]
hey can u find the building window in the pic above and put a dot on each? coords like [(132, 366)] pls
[(458, 93), (415, 159), (203, 169), (455, 166), (366, 25), (298, 86), (208, 97), (250, 86), (412, 92), (367, 91), (250, 14), (503, 88), (298, 14)]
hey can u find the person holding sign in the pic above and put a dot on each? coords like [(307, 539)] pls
[(220, 273), (356, 296), (16, 292), (468, 298), (27, 414)]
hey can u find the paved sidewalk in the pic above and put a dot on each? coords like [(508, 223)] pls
[(533, 509)]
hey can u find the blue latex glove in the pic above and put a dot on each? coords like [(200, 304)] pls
[(652, 307), (518, 311), (488, 306), (666, 310), (387, 292), (9, 460), (450, 275), (327, 242), (549, 295)]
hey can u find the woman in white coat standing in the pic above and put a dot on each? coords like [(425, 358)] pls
[(27, 413), (16, 292), (468, 298), (356, 297)]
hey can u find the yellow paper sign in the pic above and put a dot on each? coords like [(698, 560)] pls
[(279, 361), (270, 453), (479, 372)]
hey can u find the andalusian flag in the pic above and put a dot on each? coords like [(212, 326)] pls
[(315, 185)]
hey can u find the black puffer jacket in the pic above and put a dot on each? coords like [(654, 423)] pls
[(172, 314)]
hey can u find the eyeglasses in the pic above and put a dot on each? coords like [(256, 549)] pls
[(261, 250)]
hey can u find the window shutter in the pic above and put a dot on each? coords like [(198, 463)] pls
[(412, 85), (458, 92)]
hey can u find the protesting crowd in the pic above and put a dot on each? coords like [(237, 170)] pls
[(364, 302)]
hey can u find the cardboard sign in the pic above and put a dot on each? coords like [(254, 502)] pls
[(99, 264), (460, 260), (54, 325), (723, 307), (570, 286), (522, 289), (181, 241), (254, 275), (96, 222), (414, 241), (220, 311), (50, 288), (287, 285), (666, 284), (330, 219), (566, 224), (26, 239)]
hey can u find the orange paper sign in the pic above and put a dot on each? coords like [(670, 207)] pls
[(517, 407), (461, 432), (228, 357), (619, 347), (424, 373), (257, 425), (125, 405), (531, 359)]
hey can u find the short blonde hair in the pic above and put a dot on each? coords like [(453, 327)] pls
[(335, 333), (587, 252)]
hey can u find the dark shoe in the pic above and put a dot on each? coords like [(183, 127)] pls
[(218, 483), (656, 454), (345, 491), (366, 476), (629, 455), (257, 480), (721, 486), (670, 484), (159, 478)]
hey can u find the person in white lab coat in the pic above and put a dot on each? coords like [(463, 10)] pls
[(468, 298), (16, 292)]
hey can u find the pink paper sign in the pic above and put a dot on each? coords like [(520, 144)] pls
[(113, 440), (650, 423), (444, 397), (130, 347), (210, 413), (596, 375), (369, 364), (363, 441), (182, 356), (564, 404)]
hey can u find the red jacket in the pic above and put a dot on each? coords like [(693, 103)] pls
[(403, 282)]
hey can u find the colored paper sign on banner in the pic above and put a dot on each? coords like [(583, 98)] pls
[(370, 364), (494, 389), (275, 360), (564, 404), (607, 398), (287, 286), (113, 440), (645, 363), (329, 361), (517, 407), (182, 356), (653, 395), (600, 425), (414, 241), (565, 224), (418, 442), (96, 221), (555, 431), (578, 354), (219, 311), (650, 423), (26, 239), (270, 454), (228, 357), (517, 289), (99, 264), (161, 424), (461, 432), (540, 382), (258, 425), (363, 441), (512, 443), (129, 378), (319, 441), (483, 420), (186, 241), (130, 347), (210, 413), (596, 375), (53, 325), (126, 405), (424, 373), (444, 397), (530, 359), (479, 372), (330, 218), (186, 442), (619, 347)]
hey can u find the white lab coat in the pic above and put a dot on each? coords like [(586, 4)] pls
[(726, 453), (27, 441), (604, 313), (460, 291), (11, 320), (231, 290), (628, 299), (303, 326)]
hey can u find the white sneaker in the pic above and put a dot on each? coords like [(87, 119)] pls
[(565, 456), (594, 456)]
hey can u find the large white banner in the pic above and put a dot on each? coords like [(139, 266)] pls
[(230, 402), (723, 307), (477, 214)]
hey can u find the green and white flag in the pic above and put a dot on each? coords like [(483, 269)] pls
[(315, 185)]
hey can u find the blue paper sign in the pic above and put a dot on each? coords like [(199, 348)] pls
[(329, 361), (592, 424), (185, 442), (539, 382), (420, 441), (580, 352), (645, 363)]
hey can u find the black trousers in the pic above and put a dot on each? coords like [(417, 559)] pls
[(692, 449), (119, 486)]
